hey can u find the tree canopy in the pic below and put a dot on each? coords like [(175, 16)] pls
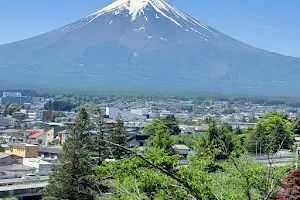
[(170, 123), (270, 134)]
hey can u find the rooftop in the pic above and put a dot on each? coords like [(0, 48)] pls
[(181, 147), (17, 167), (4, 155), (22, 144), (67, 131), (35, 135), (54, 150)]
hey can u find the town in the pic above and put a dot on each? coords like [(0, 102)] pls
[(33, 129)]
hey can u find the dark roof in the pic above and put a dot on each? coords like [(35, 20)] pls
[(54, 150), (139, 137), (67, 131), (4, 155)]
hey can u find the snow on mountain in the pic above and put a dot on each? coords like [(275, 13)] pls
[(143, 45), (148, 11)]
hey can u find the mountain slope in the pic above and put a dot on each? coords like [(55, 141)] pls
[(143, 44)]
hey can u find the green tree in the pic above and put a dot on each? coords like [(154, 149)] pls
[(221, 141), (13, 108), (73, 177), (296, 125), (271, 133), (100, 148), (170, 122), (118, 136), (58, 114)]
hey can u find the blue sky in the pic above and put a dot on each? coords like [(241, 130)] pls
[(268, 24)]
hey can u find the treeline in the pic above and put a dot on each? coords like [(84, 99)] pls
[(60, 105), (100, 166), (268, 101)]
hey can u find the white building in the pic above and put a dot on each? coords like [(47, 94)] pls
[(112, 112), (35, 114), (40, 165), (142, 111)]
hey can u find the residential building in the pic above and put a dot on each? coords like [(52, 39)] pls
[(23, 150), (137, 140), (49, 152), (50, 136), (14, 135), (4, 122), (16, 170), (63, 136), (37, 138), (35, 114), (112, 112), (184, 151), (19, 116), (41, 166), (47, 115), (9, 159)]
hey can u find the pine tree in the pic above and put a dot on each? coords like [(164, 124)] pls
[(99, 146), (72, 178), (118, 136)]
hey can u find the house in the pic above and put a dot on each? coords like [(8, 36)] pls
[(63, 136), (47, 115), (19, 116), (14, 135), (184, 151), (9, 159), (49, 152), (49, 136), (35, 114), (201, 129), (37, 138), (137, 140), (4, 122), (23, 150), (16, 170), (41, 166)]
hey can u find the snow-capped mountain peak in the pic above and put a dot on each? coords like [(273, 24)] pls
[(137, 8)]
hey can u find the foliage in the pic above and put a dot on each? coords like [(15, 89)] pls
[(12, 108), (118, 136), (72, 179), (192, 141), (290, 187), (219, 170), (170, 122), (58, 114), (189, 122), (296, 125), (221, 141), (228, 111), (271, 133), (60, 105)]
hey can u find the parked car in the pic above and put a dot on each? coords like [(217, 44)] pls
[(30, 176)]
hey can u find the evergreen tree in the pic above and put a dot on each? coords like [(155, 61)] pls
[(118, 136), (99, 146), (72, 178)]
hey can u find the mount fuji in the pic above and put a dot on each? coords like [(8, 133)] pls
[(138, 45)]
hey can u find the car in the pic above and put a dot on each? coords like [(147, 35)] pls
[(30, 176)]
